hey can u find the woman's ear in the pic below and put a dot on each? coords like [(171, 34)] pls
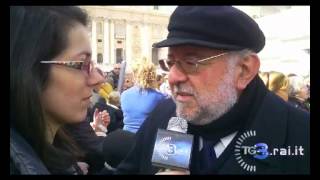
[(248, 69)]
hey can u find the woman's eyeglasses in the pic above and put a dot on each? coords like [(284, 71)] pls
[(86, 66)]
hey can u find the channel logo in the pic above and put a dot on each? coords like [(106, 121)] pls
[(260, 151)]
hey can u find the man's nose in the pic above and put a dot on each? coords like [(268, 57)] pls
[(176, 75)]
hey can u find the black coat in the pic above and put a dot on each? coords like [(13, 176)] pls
[(111, 149), (23, 159), (276, 123), (91, 144)]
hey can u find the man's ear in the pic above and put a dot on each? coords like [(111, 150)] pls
[(248, 68)]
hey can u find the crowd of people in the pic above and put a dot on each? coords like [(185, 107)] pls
[(291, 88), (69, 117)]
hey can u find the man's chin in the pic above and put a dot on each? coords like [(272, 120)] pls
[(194, 120), (187, 114)]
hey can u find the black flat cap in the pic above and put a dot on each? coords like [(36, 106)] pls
[(219, 27)]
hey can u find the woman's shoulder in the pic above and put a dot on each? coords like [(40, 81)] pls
[(159, 94), (23, 159), (129, 92)]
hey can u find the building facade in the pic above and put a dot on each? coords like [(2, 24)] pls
[(126, 33)]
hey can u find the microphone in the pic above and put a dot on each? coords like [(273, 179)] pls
[(173, 147)]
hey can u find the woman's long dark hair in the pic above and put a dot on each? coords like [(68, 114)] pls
[(36, 34)]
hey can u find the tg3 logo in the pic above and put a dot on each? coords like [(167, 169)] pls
[(258, 151)]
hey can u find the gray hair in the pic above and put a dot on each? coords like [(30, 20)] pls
[(236, 56), (296, 83), (114, 98)]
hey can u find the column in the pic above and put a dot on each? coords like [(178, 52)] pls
[(94, 40), (106, 47), (112, 49), (129, 43), (146, 46)]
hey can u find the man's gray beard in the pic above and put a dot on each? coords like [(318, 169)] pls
[(211, 105)]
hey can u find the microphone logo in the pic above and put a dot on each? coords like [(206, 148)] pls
[(173, 146), (166, 148)]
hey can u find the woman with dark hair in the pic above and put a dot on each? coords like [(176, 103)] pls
[(51, 80)]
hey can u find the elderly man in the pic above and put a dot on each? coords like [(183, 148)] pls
[(239, 127)]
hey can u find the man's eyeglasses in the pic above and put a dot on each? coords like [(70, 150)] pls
[(86, 66), (188, 66)]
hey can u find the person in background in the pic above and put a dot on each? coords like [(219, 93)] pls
[(128, 81), (277, 82), (101, 90), (113, 76), (51, 80), (114, 113), (138, 101), (160, 80), (264, 77), (307, 83), (105, 90), (165, 87), (299, 93)]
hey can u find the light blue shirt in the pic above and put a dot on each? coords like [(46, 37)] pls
[(137, 105)]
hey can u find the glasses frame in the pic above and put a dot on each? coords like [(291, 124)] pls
[(79, 65), (163, 63)]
